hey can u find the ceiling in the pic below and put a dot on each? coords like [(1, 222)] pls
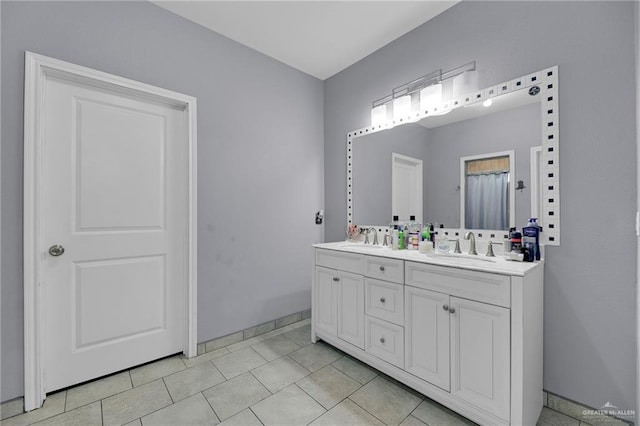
[(319, 38)]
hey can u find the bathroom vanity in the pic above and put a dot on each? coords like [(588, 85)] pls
[(464, 331)]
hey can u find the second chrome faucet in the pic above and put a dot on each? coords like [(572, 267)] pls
[(472, 242)]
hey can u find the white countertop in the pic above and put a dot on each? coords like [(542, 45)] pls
[(497, 265)]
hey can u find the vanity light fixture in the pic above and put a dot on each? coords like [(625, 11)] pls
[(379, 115), (430, 97), (401, 107), (428, 93), (465, 82), (487, 103)]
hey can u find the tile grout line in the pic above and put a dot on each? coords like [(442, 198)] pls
[(349, 397), (207, 399), (339, 402), (256, 415), (168, 392)]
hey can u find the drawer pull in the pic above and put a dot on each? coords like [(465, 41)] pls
[(382, 300), (382, 340), (452, 310), (336, 279), (445, 307), (381, 268)]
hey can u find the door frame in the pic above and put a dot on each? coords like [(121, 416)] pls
[(37, 68)]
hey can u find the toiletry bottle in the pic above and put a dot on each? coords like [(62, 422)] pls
[(531, 236), (393, 225), (516, 242), (395, 240), (426, 234), (442, 243), (414, 233), (405, 229), (401, 242), (433, 235)]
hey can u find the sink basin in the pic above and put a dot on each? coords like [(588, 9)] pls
[(466, 256)]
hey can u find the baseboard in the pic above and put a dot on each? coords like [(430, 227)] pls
[(248, 333), (588, 415)]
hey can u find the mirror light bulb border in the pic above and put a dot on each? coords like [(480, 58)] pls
[(547, 81)]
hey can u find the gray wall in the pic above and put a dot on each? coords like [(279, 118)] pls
[(637, 43), (590, 333), (260, 155)]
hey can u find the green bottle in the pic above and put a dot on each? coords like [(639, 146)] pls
[(401, 239)]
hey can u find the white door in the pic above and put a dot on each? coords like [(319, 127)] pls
[(115, 197), (406, 187), (351, 308), (480, 355), (325, 312), (427, 335)]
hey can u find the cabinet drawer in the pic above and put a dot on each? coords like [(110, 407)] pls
[(385, 341), (384, 269), (480, 286), (350, 262), (384, 300)]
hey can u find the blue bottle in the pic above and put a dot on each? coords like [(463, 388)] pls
[(531, 237)]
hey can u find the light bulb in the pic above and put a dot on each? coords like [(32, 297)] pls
[(430, 97), (379, 115), (401, 107), (487, 103)]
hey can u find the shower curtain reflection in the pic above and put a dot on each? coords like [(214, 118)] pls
[(487, 201)]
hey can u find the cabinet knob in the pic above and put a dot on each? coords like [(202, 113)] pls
[(381, 268), (382, 340), (445, 307), (382, 300), (336, 279), (452, 310)]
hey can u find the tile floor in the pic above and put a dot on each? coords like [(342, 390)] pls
[(278, 378)]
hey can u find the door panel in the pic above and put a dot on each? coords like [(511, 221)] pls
[(101, 285), (110, 137), (115, 179), (351, 308), (325, 311), (427, 336), (480, 353)]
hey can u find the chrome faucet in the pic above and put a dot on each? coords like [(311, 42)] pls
[(472, 242), (375, 236)]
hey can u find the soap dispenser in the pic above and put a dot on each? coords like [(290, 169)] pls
[(531, 238)]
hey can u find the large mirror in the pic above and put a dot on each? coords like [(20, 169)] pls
[(428, 168)]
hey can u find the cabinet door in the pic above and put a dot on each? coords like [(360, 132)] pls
[(480, 363), (351, 308), (427, 335), (325, 312)]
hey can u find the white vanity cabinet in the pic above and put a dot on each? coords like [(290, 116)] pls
[(467, 335), (340, 295), (457, 343)]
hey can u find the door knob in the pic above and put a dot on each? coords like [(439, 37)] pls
[(56, 250)]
